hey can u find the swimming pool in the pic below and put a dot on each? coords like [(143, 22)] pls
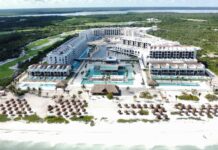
[(129, 82), (76, 64), (32, 85), (178, 84), (122, 71)]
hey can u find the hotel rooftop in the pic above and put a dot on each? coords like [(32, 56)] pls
[(48, 67), (177, 65)]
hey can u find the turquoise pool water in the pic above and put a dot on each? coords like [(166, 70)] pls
[(96, 71), (130, 82), (43, 86), (125, 70), (76, 64), (179, 84)]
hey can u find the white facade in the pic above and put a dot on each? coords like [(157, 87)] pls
[(44, 70), (66, 53), (130, 41)]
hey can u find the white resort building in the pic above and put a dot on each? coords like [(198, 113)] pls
[(162, 57), (66, 53), (51, 70)]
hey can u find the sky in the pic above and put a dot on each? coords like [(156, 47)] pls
[(5, 4)]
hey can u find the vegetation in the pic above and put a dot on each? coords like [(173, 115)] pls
[(211, 97), (136, 120), (110, 96), (7, 75), (83, 118), (4, 118), (127, 120), (188, 97), (17, 118), (143, 112), (146, 95), (53, 119), (22, 34), (32, 119), (18, 91)]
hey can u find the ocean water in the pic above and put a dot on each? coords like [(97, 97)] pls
[(8, 145), (102, 11)]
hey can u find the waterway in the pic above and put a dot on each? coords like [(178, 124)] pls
[(85, 12)]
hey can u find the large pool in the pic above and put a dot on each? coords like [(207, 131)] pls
[(125, 70), (178, 84), (37, 85), (76, 64)]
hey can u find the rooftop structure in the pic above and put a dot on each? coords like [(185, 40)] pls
[(155, 53), (177, 69), (103, 89), (48, 70)]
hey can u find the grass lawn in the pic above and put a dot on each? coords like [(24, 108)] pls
[(37, 43), (5, 70)]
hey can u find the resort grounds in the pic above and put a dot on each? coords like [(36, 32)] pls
[(111, 127)]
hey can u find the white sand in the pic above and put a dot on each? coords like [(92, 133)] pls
[(174, 133)]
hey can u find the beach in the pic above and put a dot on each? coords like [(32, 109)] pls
[(148, 135)]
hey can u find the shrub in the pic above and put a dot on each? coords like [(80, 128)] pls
[(150, 121), (17, 118), (143, 112), (188, 97), (32, 118), (211, 97), (17, 92), (136, 120), (83, 118), (54, 119), (110, 96), (5, 81), (127, 120), (145, 95), (4, 118)]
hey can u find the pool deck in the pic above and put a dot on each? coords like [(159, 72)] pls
[(136, 82)]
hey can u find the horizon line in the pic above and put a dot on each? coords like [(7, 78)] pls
[(214, 7)]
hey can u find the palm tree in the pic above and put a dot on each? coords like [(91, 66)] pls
[(28, 89), (83, 86), (34, 90), (39, 92)]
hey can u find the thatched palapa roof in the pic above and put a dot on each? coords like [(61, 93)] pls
[(152, 83), (105, 88), (62, 84)]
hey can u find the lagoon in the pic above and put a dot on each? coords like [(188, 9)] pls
[(102, 11)]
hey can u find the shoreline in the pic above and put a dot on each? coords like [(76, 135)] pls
[(172, 134), (114, 12)]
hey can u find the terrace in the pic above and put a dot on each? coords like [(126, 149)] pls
[(119, 74)]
